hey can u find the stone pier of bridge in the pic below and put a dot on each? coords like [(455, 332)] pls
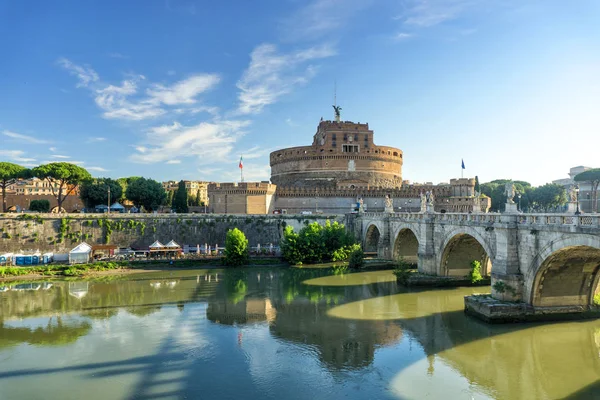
[(539, 260)]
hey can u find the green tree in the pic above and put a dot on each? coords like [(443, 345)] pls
[(170, 195), (42, 206), (95, 192), (548, 196), (593, 177), (9, 174), (290, 246), (147, 193), (180, 199), (124, 182), (236, 248), (63, 178)]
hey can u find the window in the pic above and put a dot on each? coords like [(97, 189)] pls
[(345, 137), (350, 148), (356, 137), (333, 136)]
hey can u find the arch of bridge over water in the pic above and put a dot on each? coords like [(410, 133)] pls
[(544, 260)]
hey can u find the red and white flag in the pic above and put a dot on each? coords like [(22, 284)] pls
[(241, 163)]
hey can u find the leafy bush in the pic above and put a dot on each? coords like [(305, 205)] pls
[(597, 299), (357, 257), (42, 206), (316, 243), (402, 271), (236, 248), (475, 273)]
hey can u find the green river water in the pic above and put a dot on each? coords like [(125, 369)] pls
[(279, 333)]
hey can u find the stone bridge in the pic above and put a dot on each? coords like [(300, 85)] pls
[(544, 260)]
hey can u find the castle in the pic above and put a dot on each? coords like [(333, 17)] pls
[(342, 168)]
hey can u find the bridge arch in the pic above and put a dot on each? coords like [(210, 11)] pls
[(460, 247), (565, 273), (406, 245), (373, 236)]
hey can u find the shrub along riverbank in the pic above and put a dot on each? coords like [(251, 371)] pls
[(85, 269)]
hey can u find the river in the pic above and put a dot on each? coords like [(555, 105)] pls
[(279, 333)]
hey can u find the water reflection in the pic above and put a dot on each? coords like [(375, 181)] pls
[(284, 333)]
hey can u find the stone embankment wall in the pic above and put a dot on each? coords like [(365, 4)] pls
[(52, 233)]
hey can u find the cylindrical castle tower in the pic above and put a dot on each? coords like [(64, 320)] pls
[(342, 156)]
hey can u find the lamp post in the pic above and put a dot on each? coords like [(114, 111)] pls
[(577, 192), (108, 210), (519, 196)]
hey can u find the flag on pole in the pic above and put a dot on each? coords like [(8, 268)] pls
[(463, 164), (242, 163)]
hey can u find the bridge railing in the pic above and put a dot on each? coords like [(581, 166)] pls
[(591, 220)]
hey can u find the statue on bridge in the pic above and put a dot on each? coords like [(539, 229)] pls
[(389, 204), (423, 202), (572, 194), (509, 191), (430, 198)]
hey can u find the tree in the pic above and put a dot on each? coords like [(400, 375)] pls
[(63, 178), (236, 248), (180, 199), (95, 192), (477, 186), (147, 193), (170, 195), (549, 196), (124, 182), (593, 177), (42, 206), (9, 174)]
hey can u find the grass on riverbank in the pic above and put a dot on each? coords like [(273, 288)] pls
[(84, 269)]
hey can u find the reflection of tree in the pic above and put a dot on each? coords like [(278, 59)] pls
[(236, 284), (56, 333), (142, 311), (293, 286), (100, 313)]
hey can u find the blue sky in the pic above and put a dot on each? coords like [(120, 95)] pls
[(178, 89)]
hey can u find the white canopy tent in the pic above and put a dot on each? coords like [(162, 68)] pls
[(80, 254)]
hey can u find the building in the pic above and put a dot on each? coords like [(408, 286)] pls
[(241, 198), (193, 188), (36, 186), (343, 155), (585, 188)]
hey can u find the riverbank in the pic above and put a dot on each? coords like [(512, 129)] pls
[(118, 267)]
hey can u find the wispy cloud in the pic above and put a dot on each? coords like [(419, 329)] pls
[(96, 139), (174, 162), (428, 13), (128, 101), (84, 74), (98, 169), (59, 156), (208, 141), (16, 155), (403, 36), (52, 149), (271, 75), (23, 138), (319, 18)]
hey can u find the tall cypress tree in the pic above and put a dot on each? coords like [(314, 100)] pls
[(180, 201), (477, 188)]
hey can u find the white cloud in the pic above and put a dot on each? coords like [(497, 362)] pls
[(209, 141), (403, 36), (85, 74), (271, 75), (174, 162), (182, 92), (427, 13), (99, 169), (52, 149), (23, 138), (126, 102), (320, 17), (255, 152), (96, 139), (15, 155), (66, 161), (59, 156)]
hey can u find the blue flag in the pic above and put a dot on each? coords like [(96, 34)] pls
[(463, 164)]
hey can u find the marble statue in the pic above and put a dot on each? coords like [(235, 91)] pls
[(509, 191)]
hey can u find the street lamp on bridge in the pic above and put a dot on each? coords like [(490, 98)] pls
[(577, 192)]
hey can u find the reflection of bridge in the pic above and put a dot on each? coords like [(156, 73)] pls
[(541, 259)]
